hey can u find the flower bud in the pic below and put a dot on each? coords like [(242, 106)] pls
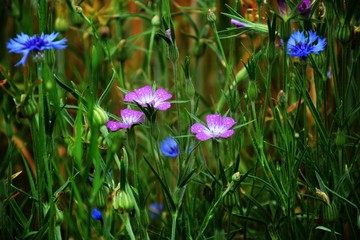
[(104, 32), (28, 106), (211, 17), (343, 33), (340, 138), (102, 197), (61, 24), (230, 199), (330, 212), (236, 177), (122, 202), (252, 91), (282, 98), (155, 21), (99, 116)]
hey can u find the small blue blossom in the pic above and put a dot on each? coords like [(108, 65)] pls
[(155, 210), (169, 147), (301, 46), (24, 44), (96, 214)]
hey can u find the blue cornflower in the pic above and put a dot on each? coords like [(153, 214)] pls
[(25, 44), (301, 46), (96, 214), (169, 147)]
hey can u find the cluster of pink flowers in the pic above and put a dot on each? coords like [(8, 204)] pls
[(144, 97), (217, 126)]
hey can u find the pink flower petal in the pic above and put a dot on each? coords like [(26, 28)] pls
[(162, 106), (130, 97), (161, 95), (228, 122), (227, 134), (201, 132), (114, 126), (202, 136), (213, 120), (144, 95)]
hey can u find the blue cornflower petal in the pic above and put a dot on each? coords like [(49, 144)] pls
[(24, 44), (96, 214), (169, 147)]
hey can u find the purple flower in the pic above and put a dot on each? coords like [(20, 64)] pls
[(169, 147), (238, 23), (301, 46), (282, 6), (168, 33), (146, 97), (129, 118), (218, 127), (96, 214), (304, 8), (24, 44)]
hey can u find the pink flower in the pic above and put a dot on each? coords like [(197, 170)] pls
[(129, 118), (145, 97), (218, 127)]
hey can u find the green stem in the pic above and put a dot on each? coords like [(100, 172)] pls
[(239, 77), (285, 70), (149, 53)]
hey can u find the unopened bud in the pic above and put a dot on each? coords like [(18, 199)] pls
[(28, 106), (99, 116), (61, 24), (155, 21), (252, 91), (343, 33), (230, 199), (122, 202), (340, 138), (211, 17), (330, 212), (236, 177)]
